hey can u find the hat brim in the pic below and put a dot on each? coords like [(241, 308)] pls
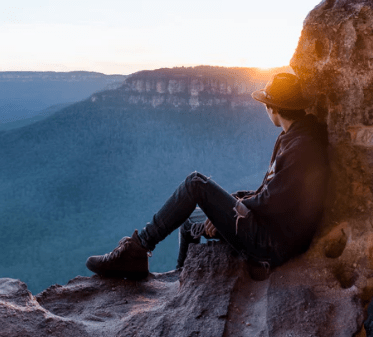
[(298, 104)]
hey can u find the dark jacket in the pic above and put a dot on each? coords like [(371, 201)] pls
[(290, 201)]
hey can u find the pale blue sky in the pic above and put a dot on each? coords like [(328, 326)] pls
[(125, 36)]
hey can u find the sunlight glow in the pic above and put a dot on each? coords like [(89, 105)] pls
[(123, 37)]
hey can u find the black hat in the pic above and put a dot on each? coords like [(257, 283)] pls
[(283, 91)]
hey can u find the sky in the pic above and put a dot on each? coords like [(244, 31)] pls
[(124, 36)]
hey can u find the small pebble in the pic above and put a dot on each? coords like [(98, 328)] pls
[(248, 324)]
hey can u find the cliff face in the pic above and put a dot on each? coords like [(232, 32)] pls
[(334, 58), (197, 92), (193, 88)]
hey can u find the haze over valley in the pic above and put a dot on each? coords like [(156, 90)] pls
[(26, 97)]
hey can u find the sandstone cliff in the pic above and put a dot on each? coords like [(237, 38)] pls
[(325, 292), (194, 87), (334, 60)]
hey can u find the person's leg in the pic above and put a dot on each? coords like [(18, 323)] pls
[(232, 219), (179, 207), (234, 222)]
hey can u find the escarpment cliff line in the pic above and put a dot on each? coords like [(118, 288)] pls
[(193, 88)]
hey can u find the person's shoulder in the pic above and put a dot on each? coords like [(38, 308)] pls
[(301, 143), (305, 148), (307, 132)]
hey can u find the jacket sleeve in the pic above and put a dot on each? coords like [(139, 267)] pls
[(242, 194)]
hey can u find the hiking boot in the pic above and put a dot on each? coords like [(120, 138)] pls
[(129, 259)]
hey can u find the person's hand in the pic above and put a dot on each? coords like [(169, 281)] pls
[(210, 229)]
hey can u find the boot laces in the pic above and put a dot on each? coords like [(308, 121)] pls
[(197, 230), (123, 243)]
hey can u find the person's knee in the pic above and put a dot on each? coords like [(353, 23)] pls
[(195, 183), (196, 177)]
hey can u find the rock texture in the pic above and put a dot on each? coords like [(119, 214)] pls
[(213, 296), (334, 59)]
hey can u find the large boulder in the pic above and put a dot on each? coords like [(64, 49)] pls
[(334, 60)]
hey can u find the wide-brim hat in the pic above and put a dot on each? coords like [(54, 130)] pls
[(283, 91)]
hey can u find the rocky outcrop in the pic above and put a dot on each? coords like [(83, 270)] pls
[(334, 60), (213, 296)]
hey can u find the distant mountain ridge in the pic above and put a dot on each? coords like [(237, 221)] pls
[(70, 75), (219, 73), (24, 94), (202, 86)]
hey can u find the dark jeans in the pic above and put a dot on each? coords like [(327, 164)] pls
[(234, 222)]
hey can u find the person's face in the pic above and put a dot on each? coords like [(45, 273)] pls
[(273, 115)]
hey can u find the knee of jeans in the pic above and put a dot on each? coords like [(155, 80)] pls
[(197, 177)]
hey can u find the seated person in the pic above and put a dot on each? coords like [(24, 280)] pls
[(266, 226)]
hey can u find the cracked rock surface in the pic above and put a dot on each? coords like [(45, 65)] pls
[(212, 296)]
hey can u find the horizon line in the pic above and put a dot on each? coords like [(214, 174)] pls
[(264, 69)]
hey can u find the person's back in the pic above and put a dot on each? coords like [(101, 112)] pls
[(290, 202)]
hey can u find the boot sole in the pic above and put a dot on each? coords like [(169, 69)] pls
[(141, 272), (126, 274)]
